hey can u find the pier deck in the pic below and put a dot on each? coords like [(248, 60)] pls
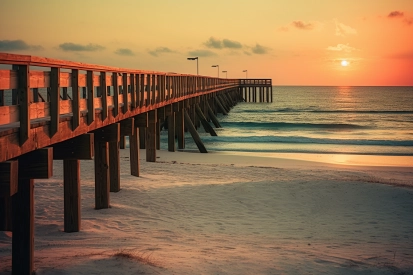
[(56, 109)]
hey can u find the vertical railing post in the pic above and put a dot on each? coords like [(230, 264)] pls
[(126, 90), (115, 85), (104, 95), (90, 97), (24, 103), (75, 99), (54, 100)]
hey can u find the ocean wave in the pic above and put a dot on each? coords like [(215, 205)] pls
[(271, 125), (292, 110), (307, 140)]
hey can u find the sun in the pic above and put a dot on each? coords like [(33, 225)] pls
[(344, 63)]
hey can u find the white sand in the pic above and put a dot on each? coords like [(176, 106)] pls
[(232, 213)]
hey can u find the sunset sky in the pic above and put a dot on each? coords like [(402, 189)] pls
[(294, 42)]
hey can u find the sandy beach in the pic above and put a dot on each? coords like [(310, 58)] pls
[(233, 213)]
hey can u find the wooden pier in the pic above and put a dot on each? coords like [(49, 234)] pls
[(55, 109)]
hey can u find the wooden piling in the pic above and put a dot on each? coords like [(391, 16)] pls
[(36, 164), (180, 128), (212, 116), (71, 151), (208, 128), (171, 132), (134, 153), (194, 133), (151, 136), (71, 186)]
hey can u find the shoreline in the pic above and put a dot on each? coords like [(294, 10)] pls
[(342, 160)]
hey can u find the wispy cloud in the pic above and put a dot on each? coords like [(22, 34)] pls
[(160, 50), (231, 44), (17, 45), (344, 30), (400, 15), (341, 48), (259, 49), (202, 53), (395, 14), (302, 25), (124, 52), (402, 55), (215, 43), (73, 47)]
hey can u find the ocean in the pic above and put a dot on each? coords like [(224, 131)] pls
[(321, 120)]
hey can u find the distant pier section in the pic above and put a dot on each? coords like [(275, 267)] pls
[(61, 110)]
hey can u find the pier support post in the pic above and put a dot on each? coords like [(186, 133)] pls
[(221, 107), (194, 133), (180, 128), (208, 128), (151, 136), (171, 132), (71, 151), (8, 187), (102, 164), (134, 152), (36, 164), (212, 116)]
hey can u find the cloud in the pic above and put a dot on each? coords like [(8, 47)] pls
[(341, 48), (124, 52), (72, 47), (344, 30), (408, 21), (231, 44), (259, 49), (400, 14), (283, 29), (402, 55), (302, 26), (202, 53), (17, 45), (395, 14), (160, 50), (214, 43)]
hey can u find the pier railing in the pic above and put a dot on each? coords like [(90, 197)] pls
[(36, 90)]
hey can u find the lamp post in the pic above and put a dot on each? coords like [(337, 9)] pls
[(217, 67), (226, 74), (194, 58), (246, 73)]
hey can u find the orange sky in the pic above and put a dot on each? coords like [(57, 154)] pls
[(293, 42)]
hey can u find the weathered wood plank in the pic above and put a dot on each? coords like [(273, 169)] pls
[(101, 173), (127, 126), (171, 132), (180, 128), (194, 134), (71, 191), (75, 99), (54, 100), (8, 178), (134, 152), (37, 164), (23, 227), (208, 128), (103, 94), (24, 110), (151, 136), (115, 94), (80, 147), (90, 97)]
